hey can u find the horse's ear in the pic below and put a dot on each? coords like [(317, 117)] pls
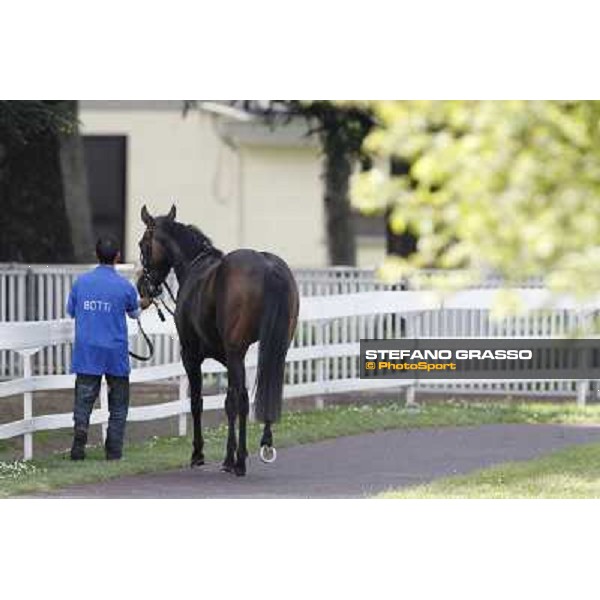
[(147, 218), (172, 213)]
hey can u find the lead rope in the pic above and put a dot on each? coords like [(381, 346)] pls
[(165, 305), (147, 337), (148, 343), (171, 312)]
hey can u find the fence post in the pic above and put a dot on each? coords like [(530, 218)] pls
[(104, 408), (320, 375), (29, 295), (410, 396), (183, 393), (27, 356), (586, 320), (581, 392)]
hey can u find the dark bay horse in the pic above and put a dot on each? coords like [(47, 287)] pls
[(225, 303)]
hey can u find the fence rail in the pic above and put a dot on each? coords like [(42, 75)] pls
[(40, 292), (324, 355)]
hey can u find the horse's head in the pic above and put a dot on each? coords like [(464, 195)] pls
[(154, 254)]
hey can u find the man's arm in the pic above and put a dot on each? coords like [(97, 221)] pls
[(72, 301), (134, 306)]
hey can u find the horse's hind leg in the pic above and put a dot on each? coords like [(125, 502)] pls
[(267, 436), (192, 362), (236, 404), (231, 410), (267, 452), (242, 451)]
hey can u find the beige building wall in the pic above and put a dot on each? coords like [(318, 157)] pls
[(243, 184), (282, 199), (170, 159)]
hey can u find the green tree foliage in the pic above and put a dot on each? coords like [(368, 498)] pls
[(33, 220), (25, 121), (507, 186)]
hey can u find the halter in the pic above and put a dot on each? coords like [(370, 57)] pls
[(154, 287), (154, 290)]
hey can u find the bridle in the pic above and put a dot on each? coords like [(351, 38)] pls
[(153, 289), (156, 290)]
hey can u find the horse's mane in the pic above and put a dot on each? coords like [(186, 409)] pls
[(189, 238)]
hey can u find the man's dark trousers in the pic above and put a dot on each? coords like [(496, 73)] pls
[(87, 388)]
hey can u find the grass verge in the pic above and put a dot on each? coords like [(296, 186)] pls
[(159, 454), (570, 473)]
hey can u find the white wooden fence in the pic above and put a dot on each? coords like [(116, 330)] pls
[(323, 358), (39, 293)]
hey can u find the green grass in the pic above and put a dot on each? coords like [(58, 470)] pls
[(161, 454), (570, 473)]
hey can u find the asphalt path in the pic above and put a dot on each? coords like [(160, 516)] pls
[(351, 467)]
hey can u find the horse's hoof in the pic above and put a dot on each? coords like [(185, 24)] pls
[(240, 470), (268, 454), (197, 460), (227, 468)]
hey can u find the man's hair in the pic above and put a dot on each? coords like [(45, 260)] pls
[(107, 249)]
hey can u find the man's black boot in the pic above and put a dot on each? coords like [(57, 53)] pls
[(113, 449), (79, 442)]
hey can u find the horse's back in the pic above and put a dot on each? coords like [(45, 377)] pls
[(241, 286), (247, 262)]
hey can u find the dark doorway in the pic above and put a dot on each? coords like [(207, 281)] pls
[(106, 164)]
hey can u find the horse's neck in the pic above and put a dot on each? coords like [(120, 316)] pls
[(184, 261), (180, 272)]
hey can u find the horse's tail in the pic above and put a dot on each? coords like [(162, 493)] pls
[(274, 341)]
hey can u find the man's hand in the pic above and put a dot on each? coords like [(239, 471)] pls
[(145, 303)]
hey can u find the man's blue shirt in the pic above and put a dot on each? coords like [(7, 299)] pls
[(99, 301)]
